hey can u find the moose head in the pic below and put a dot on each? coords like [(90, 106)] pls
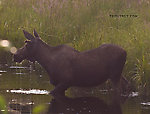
[(29, 49)]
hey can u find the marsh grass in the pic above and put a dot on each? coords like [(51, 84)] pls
[(85, 24)]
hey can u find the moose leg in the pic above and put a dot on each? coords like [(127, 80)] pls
[(115, 78), (59, 90), (116, 87), (116, 95)]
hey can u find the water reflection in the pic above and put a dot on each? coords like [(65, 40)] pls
[(17, 108), (146, 103), (25, 89), (83, 105), (17, 67), (31, 91), (2, 71)]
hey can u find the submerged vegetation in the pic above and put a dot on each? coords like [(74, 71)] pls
[(84, 24)]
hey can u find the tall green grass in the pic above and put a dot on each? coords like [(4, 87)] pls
[(85, 24)]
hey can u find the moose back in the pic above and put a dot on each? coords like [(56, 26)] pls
[(68, 67)]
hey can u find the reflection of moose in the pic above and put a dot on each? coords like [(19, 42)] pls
[(68, 67), (83, 105)]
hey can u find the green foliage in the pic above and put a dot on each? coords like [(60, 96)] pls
[(84, 24), (39, 109), (3, 109)]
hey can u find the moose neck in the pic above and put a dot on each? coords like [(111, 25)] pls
[(43, 55)]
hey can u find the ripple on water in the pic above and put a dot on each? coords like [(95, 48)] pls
[(146, 104), (134, 94), (19, 73), (2, 71), (32, 91), (17, 67)]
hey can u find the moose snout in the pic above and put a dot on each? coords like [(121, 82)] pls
[(17, 58)]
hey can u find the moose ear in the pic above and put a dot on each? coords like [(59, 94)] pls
[(35, 34), (28, 35)]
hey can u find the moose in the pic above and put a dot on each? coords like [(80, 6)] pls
[(68, 67)]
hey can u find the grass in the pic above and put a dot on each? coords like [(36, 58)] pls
[(84, 25)]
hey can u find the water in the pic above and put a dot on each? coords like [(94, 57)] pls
[(24, 89)]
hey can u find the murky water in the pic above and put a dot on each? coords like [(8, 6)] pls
[(24, 89)]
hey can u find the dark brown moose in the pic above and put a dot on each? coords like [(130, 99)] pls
[(68, 67)]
